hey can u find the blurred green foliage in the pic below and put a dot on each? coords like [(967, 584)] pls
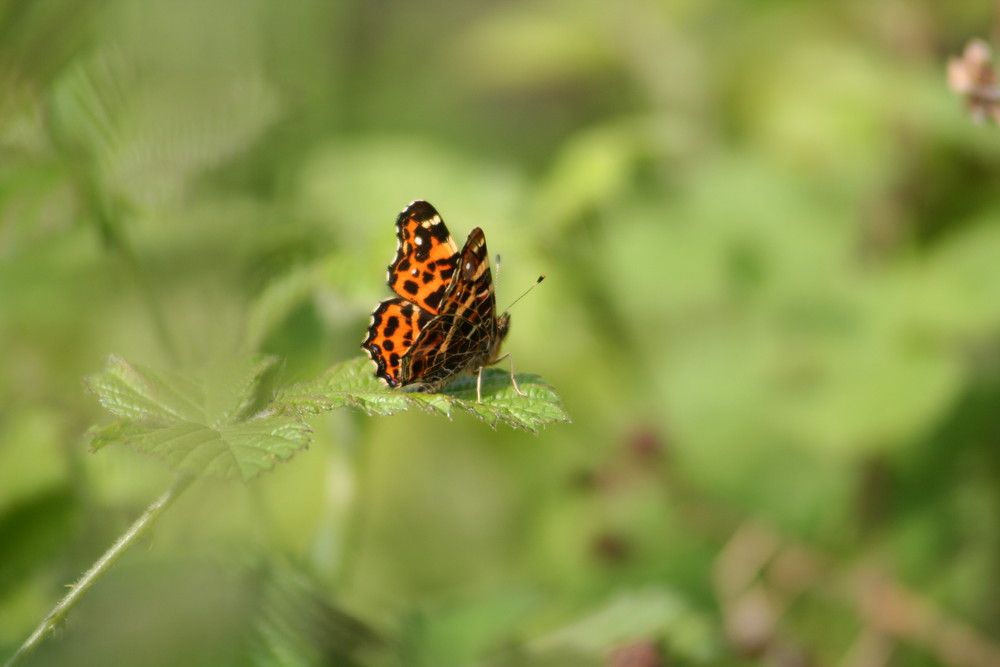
[(773, 313)]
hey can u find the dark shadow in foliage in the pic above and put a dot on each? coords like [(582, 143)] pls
[(32, 532), (296, 621), (964, 450)]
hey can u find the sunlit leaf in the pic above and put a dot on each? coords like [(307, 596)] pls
[(214, 422), (353, 384)]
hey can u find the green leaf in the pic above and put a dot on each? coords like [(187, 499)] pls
[(121, 430), (148, 143), (204, 422), (353, 384), (214, 422)]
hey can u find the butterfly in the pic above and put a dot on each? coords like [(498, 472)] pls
[(444, 322)]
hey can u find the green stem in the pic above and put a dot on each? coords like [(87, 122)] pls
[(97, 570)]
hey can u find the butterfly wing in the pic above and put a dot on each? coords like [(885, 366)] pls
[(444, 322), (464, 335), (425, 257), (395, 324), (471, 295)]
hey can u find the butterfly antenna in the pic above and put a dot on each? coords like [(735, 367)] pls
[(525, 293)]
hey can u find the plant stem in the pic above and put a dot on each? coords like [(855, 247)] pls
[(139, 528)]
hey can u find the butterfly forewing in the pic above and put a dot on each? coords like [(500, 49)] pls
[(471, 296), (425, 257)]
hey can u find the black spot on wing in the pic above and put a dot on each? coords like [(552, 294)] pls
[(434, 298)]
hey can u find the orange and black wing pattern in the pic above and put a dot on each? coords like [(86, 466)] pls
[(465, 334), (425, 258), (420, 274), (443, 323), (395, 324)]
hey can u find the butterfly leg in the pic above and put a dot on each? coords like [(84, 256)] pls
[(513, 380)]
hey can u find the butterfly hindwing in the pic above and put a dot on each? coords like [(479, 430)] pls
[(395, 324), (441, 351)]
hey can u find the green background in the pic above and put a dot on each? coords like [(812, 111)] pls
[(772, 242)]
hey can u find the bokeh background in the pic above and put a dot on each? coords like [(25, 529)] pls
[(772, 242)]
